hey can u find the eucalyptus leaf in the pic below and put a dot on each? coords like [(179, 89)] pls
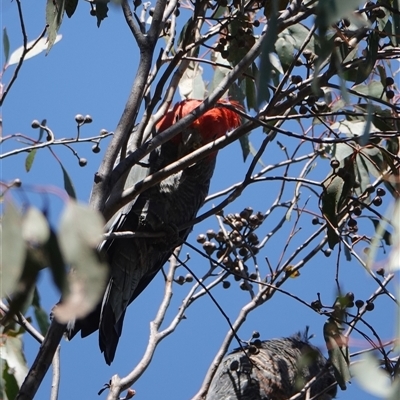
[(68, 185), (54, 15), (35, 228), (80, 233), (9, 388), (35, 48), (29, 160), (373, 88), (41, 316), (101, 10), (394, 258), (371, 377), (6, 45), (14, 355), (336, 344), (13, 249), (245, 145), (70, 7), (265, 66)]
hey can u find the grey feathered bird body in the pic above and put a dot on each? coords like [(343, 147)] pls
[(162, 208), (134, 262), (274, 370)]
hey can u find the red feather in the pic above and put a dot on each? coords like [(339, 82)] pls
[(211, 125)]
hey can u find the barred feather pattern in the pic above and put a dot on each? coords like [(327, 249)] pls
[(162, 208), (275, 370)]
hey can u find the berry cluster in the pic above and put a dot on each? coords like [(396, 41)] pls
[(235, 246)]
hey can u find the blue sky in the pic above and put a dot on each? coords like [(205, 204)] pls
[(90, 71)]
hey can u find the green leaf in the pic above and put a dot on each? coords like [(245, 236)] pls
[(365, 68), (250, 93), (240, 44), (68, 185), (35, 228), (285, 49), (41, 130), (54, 15), (346, 249), (396, 24), (331, 11), (371, 377), (13, 249), (10, 385), (383, 233), (191, 85), (362, 174), (80, 233), (56, 261), (361, 130), (329, 206), (297, 34), (394, 259), (29, 160), (335, 196), (338, 351), (41, 316), (70, 7), (219, 71), (265, 68), (373, 88), (245, 145), (6, 45), (12, 353)]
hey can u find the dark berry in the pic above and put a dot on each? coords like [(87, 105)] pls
[(252, 238), (226, 284), (389, 94), (243, 251), (335, 163), (35, 124), (380, 192), (328, 252), (352, 223), (296, 79), (201, 238), (350, 296), (79, 118), (389, 81), (357, 211), (303, 109), (369, 306), (359, 303), (96, 148), (88, 119), (377, 201), (315, 221), (316, 305), (370, 189), (211, 234)]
